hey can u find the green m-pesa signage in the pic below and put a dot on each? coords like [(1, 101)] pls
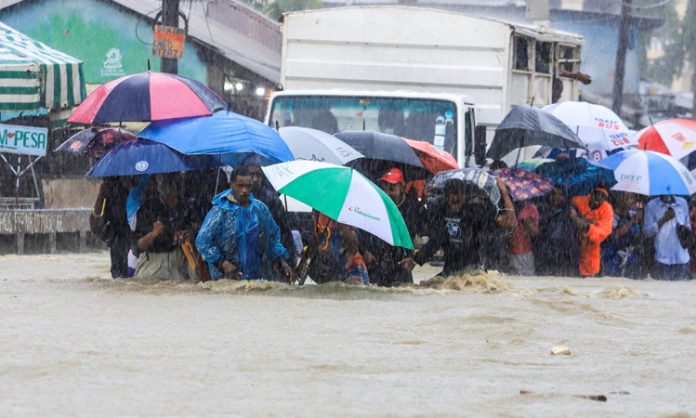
[(25, 140)]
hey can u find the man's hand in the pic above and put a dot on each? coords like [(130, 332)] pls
[(501, 185), (231, 271), (407, 263), (181, 236), (287, 270), (669, 215), (158, 228)]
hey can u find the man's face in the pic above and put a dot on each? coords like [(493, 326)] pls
[(394, 191), (256, 175), (597, 199), (455, 200), (242, 186)]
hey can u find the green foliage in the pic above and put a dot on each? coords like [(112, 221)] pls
[(678, 38), (276, 9)]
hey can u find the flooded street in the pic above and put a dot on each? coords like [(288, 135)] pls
[(75, 343)]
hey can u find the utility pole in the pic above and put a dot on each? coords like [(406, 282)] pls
[(621, 55), (170, 17)]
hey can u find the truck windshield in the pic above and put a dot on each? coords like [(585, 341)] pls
[(434, 121)]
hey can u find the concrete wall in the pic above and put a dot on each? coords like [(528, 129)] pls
[(70, 193)]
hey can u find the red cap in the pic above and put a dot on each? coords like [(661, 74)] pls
[(393, 176)]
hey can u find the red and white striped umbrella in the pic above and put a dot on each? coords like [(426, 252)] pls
[(675, 137)]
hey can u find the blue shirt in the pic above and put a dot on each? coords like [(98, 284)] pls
[(668, 248)]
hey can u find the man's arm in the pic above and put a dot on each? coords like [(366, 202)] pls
[(507, 218), (600, 229)]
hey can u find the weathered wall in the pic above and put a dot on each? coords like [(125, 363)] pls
[(70, 193), (110, 40)]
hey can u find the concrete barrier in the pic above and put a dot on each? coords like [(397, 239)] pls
[(51, 222)]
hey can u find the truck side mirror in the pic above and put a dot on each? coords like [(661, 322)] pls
[(480, 145)]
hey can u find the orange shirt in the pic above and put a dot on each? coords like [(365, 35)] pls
[(590, 241)]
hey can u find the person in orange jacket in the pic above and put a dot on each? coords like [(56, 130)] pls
[(594, 218)]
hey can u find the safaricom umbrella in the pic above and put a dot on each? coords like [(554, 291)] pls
[(649, 173), (342, 194)]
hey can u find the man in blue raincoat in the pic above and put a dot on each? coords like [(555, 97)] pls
[(239, 238)]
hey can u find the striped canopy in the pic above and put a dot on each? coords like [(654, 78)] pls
[(34, 76)]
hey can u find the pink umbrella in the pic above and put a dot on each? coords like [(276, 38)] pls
[(675, 137), (146, 97)]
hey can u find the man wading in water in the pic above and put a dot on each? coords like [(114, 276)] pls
[(465, 226), (239, 238)]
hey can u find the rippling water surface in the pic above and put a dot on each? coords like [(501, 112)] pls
[(75, 343)]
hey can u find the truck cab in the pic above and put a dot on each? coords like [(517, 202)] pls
[(445, 121)]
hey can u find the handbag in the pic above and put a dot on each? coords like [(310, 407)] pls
[(102, 227)]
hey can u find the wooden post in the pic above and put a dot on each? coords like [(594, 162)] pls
[(52, 242), (83, 241), (621, 56), (170, 17)]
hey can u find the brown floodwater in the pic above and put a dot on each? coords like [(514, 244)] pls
[(75, 343)]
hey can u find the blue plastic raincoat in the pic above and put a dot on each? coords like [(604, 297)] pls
[(247, 237)]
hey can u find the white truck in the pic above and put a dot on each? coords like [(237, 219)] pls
[(419, 73)]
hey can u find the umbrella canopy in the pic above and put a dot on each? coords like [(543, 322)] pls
[(316, 145), (597, 126), (650, 173), (146, 97), (140, 156), (675, 137), (34, 76), (576, 175), (483, 180), (342, 194), (95, 141), (227, 135), (379, 146), (526, 125), (433, 158), (523, 184)]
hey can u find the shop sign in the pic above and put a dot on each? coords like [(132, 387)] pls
[(25, 140), (168, 42)]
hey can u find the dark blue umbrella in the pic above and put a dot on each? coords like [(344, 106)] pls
[(228, 136), (140, 156), (577, 175), (526, 125)]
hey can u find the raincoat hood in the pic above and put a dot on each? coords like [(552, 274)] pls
[(223, 202)]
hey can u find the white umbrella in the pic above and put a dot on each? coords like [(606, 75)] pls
[(316, 145), (599, 128), (649, 173)]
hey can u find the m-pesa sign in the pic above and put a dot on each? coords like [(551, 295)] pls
[(26, 140)]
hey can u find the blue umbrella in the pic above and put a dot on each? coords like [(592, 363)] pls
[(228, 136), (140, 156), (577, 175)]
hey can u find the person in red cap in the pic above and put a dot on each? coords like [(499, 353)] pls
[(594, 218), (389, 266)]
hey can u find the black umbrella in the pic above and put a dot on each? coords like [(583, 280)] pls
[(526, 125), (379, 146)]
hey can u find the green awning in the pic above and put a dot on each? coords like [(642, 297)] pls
[(34, 76)]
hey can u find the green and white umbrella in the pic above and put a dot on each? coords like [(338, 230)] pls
[(342, 194)]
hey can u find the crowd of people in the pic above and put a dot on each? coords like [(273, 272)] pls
[(175, 226)]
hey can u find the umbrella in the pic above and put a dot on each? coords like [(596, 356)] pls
[(229, 136), (523, 184), (316, 145), (433, 158), (650, 173), (526, 125), (140, 156), (94, 141), (576, 175), (532, 164), (598, 127), (342, 194), (483, 180), (147, 96), (379, 146), (675, 137)]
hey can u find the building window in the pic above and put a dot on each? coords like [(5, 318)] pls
[(542, 58), (521, 52)]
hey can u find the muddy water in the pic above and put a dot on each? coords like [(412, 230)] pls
[(75, 343)]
